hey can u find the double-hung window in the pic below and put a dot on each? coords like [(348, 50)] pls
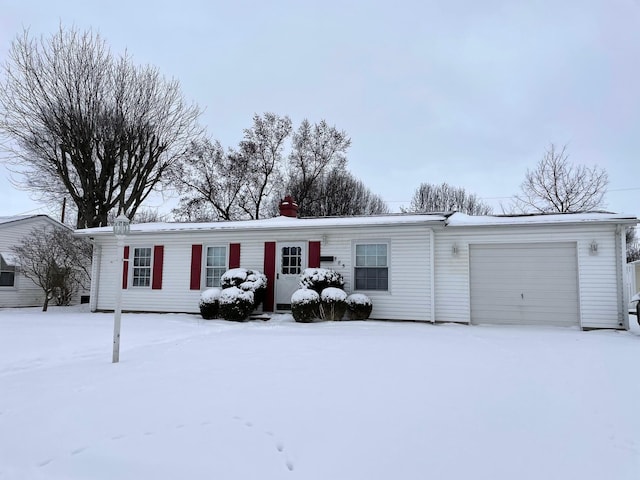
[(7, 272), (141, 267), (372, 266), (216, 265)]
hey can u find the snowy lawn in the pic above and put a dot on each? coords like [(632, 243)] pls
[(195, 399)]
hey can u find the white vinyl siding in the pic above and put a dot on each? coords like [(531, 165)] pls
[(408, 296), (215, 265), (597, 282), (528, 284)]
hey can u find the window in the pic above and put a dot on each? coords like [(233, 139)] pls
[(7, 272), (141, 267), (372, 267), (291, 259), (216, 265)]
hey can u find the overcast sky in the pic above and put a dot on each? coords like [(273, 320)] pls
[(459, 91)]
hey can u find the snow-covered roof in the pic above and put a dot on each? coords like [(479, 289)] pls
[(15, 218), (464, 220), (275, 223), (444, 219), (19, 218)]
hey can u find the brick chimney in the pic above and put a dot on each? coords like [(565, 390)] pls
[(288, 207)]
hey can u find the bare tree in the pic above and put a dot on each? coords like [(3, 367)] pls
[(633, 247), (56, 261), (337, 193), (316, 149), (262, 151), (85, 124), (211, 182), (557, 185), (446, 198)]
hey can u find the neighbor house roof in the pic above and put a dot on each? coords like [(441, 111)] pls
[(20, 218), (444, 219)]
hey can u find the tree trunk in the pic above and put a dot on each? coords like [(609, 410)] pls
[(46, 302)]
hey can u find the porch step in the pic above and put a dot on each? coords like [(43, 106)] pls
[(259, 316)]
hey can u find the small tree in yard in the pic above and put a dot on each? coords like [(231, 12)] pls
[(56, 261)]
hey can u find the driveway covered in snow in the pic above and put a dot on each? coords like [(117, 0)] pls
[(199, 399)]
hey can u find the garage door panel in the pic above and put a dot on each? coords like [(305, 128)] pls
[(524, 284)]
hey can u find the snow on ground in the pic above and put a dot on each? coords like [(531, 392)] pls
[(199, 399)]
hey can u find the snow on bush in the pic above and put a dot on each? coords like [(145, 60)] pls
[(305, 304), (333, 303), (247, 280), (236, 304), (209, 303), (359, 306), (320, 278)]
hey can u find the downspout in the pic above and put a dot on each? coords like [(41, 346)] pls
[(95, 275), (432, 272), (623, 318)]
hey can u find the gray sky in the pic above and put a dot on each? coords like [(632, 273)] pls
[(461, 91)]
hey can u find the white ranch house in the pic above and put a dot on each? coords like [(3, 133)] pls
[(16, 290), (566, 269)]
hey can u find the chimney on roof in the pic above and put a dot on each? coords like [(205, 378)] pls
[(288, 207)]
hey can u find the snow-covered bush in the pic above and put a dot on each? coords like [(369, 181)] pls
[(305, 304), (209, 303), (359, 306), (247, 280), (320, 278), (333, 303), (236, 304)]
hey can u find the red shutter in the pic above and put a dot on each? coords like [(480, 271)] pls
[(234, 255), (125, 267), (158, 260), (314, 254), (196, 266), (270, 272)]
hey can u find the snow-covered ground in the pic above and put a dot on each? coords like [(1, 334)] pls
[(195, 399)]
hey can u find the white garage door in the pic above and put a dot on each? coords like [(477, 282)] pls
[(533, 284)]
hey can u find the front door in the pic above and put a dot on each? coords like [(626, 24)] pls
[(290, 258)]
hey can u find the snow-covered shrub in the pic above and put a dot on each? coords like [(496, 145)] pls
[(320, 278), (359, 306), (333, 303), (236, 304), (305, 304), (247, 280), (209, 303)]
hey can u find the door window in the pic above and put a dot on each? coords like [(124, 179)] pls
[(291, 260)]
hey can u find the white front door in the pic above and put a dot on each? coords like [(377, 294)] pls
[(290, 261)]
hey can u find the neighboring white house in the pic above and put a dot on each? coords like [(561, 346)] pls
[(15, 289), (565, 269)]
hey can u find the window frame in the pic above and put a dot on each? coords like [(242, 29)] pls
[(9, 269), (205, 257), (356, 267), (133, 267)]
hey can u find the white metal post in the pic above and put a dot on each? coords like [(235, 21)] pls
[(118, 309), (120, 229)]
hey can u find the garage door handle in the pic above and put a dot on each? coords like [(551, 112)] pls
[(522, 295)]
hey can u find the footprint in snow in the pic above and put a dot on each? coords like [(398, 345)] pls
[(78, 450), (45, 462)]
